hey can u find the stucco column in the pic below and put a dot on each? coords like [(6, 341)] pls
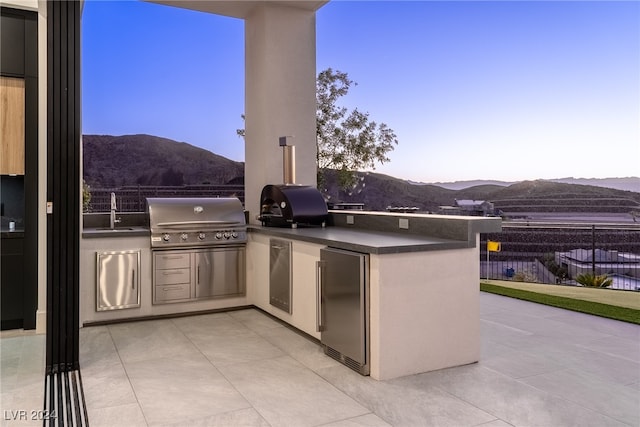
[(280, 100)]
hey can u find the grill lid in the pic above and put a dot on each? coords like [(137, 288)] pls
[(196, 221), (194, 213), (290, 205)]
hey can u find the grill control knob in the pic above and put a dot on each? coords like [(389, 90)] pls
[(166, 237), (184, 236), (234, 235), (218, 235), (227, 234), (201, 236)]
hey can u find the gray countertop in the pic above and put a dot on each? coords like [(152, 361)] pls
[(102, 232), (366, 241), (367, 232), (18, 233)]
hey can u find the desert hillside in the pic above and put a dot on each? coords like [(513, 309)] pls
[(115, 161)]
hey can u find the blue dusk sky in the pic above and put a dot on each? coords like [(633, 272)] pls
[(507, 90)]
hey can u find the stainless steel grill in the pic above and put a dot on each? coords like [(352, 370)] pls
[(196, 222), (198, 247)]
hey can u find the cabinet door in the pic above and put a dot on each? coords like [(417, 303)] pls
[(12, 281), (343, 302), (219, 272), (12, 131), (118, 280), (280, 285)]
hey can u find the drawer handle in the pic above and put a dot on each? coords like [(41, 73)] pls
[(173, 257), (319, 325), (170, 273), (133, 279)]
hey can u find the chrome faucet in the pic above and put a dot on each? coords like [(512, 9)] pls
[(112, 214)]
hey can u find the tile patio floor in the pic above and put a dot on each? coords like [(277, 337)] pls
[(540, 366)]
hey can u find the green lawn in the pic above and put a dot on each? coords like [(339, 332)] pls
[(621, 305)]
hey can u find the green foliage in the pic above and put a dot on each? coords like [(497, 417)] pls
[(86, 196), (548, 260), (240, 132), (348, 141), (623, 314), (594, 281)]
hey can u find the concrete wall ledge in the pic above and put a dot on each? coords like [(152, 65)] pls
[(440, 226)]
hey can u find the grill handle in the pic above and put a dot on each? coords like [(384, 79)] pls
[(181, 225)]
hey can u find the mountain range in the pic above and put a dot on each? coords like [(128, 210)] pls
[(114, 161), (631, 183)]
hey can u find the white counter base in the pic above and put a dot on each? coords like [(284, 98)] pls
[(424, 311)]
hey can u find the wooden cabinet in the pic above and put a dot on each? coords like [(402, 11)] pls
[(12, 125), (118, 280)]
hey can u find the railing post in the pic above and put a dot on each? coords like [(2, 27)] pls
[(593, 249)]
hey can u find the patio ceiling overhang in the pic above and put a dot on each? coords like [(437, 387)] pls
[(238, 8)]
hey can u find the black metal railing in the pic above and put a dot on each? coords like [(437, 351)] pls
[(133, 198), (559, 253)]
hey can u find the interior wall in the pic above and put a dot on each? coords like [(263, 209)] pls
[(21, 4)]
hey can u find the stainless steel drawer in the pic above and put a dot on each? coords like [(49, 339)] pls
[(171, 260), (173, 277), (165, 293)]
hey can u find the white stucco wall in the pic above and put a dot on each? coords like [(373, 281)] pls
[(424, 311), (280, 98)]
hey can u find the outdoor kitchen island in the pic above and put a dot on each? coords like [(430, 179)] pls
[(423, 284), (423, 276)]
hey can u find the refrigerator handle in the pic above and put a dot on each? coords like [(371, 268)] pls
[(319, 326)]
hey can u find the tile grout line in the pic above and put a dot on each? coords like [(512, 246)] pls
[(220, 372), (124, 368), (307, 368)]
